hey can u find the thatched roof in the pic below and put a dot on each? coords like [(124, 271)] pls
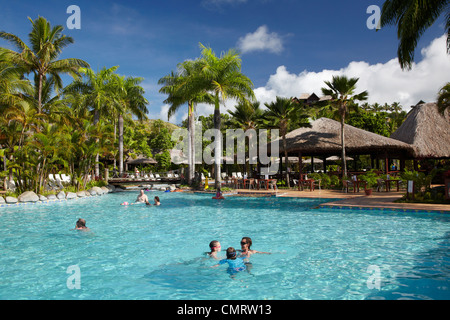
[(141, 160), (427, 130), (324, 138)]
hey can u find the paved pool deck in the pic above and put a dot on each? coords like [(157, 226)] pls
[(353, 200)]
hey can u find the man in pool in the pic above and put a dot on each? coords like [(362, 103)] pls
[(142, 197)]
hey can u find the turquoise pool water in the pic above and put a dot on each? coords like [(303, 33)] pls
[(140, 252)]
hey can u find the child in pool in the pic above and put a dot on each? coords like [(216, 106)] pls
[(215, 249), (235, 264), (81, 225)]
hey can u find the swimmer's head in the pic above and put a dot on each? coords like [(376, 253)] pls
[(246, 241), (214, 245), (231, 253), (125, 203), (81, 223)]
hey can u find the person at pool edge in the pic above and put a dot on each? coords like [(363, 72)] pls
[(246, 243)]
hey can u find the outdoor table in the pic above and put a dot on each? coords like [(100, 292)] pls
[(309, 182), (388, 184), (357, 184)]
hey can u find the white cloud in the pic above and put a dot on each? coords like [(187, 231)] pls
[(385, 82), (261, 40)]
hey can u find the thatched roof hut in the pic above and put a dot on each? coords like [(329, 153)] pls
[(324, 138), (427, 130), (141, 160)]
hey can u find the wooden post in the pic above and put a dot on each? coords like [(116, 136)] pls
[(300, 170)]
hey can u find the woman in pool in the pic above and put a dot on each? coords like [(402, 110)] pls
[(235, 264), (246, 243), (215, 249), (157, 203)]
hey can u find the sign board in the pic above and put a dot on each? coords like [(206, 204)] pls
[(410, 186)]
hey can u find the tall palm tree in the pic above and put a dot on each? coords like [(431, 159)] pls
[(97, 93), (342, 92), (224, 80), (130, 99), (47, 43), (186, 86), (282, 114), (413, 17)]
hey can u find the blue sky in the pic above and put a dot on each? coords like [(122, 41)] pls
[(288, 47)]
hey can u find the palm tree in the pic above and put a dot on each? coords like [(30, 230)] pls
[(342, 92), (186, 86), (413, 17), (247, 116), (443, 101), (282, 114), (47, 43), (224, 80), (130, 99), (96, 93)]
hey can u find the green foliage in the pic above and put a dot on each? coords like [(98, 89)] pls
[(371, 179)]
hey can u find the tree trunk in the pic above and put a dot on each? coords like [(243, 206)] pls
[(218, 150), (41, 79), (96, 165), (344, 161), (191, 139), (120, 145), (286, 160)]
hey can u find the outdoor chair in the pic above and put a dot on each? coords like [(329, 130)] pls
[(65, 178), (239, 175), (346, 184), (380, 184), (317, 183), (250, 183), (233, 175), (273, 184), (236, 183)]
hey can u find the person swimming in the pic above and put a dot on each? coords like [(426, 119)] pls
[(157, 202), (81, 225), (218, 194), (142, 197), (235, 263), (246, 243), (215, 249)]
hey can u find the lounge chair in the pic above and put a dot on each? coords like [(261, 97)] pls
[(65, 178), (233, 175), (239, 175)]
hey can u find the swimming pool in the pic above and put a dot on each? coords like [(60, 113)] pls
[(139, 252)]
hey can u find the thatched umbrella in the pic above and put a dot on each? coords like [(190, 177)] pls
[(427, 130)]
